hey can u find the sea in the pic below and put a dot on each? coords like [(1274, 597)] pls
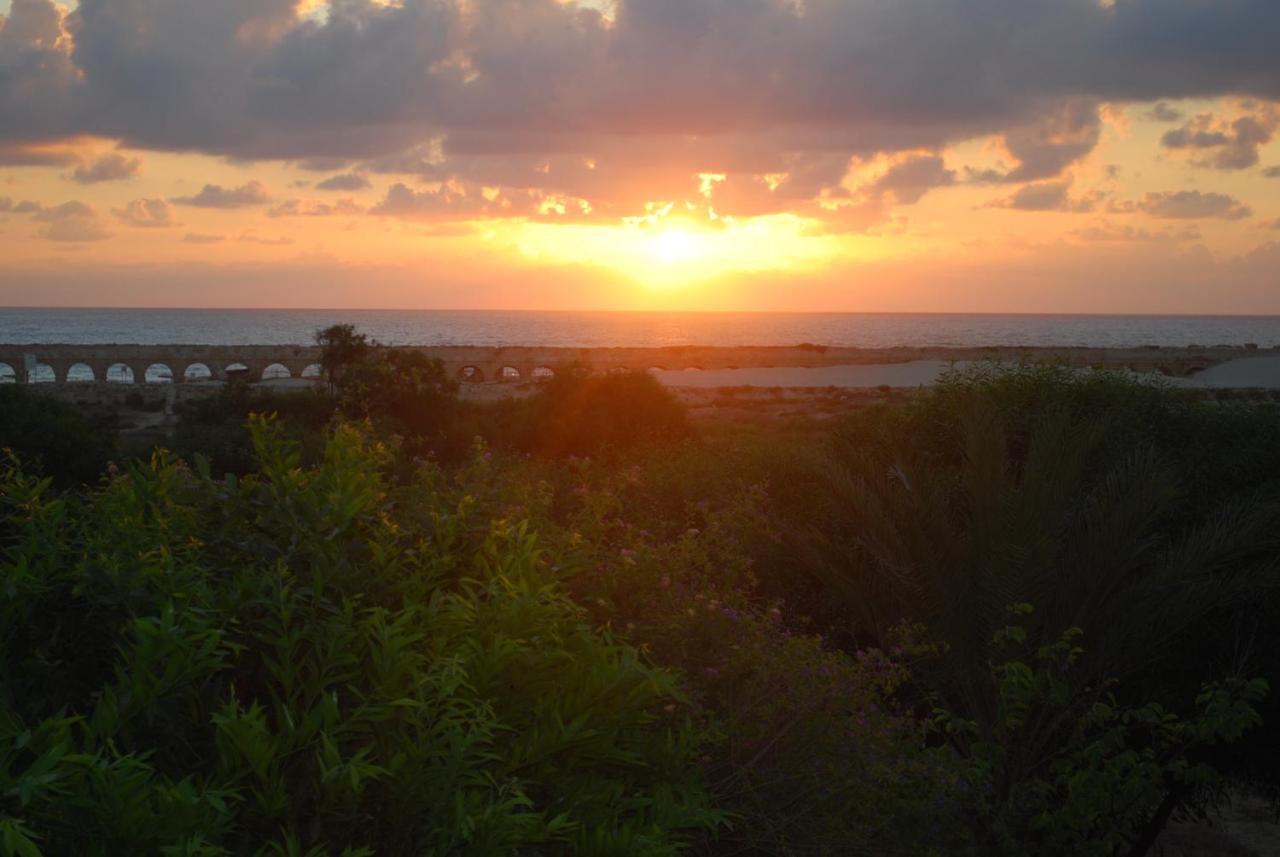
[(627, 329)]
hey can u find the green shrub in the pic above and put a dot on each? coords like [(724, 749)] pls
[(576, 415), (1054, 771), (315, 661), (54, 438)]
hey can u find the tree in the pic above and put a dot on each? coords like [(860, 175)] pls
[(341, 347), (949, 514)]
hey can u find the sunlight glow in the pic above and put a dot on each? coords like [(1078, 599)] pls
[(674, 246)]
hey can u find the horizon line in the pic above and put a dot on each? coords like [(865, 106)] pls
[(1259, 315)]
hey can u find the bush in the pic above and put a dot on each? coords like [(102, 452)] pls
[(216, 427), (574, 415), (54, 438), (817, 755), (314, 661)]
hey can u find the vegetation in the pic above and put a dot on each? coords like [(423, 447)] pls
[(54, 438), (1027, 612)]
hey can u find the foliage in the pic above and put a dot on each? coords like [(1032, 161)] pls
[(592, 415), (363, 644), (341, 346), (54, 438), (403, 389), (315, 660), (816, 756), (216, 427), (1058, 772)]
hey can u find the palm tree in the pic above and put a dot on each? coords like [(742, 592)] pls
[(951, 530)]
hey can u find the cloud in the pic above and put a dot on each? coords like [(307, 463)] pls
[(17, 155), (881, 185), (453, 201), (1045, 149), (1107, 232), (1226, 145), (1162, 112), (346, 181), (1272, 172), (151, 213), (907, 181), (556, 104), (108, 168), (216, 196), (1048, 196), (368, 80), (202, 238), (72, 221), (66, 211), (1190, 205), (314, 208)]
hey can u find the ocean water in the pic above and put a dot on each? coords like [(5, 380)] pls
[(598, 329)]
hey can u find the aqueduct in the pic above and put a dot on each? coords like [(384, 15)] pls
[(188, 364), (193, 364)]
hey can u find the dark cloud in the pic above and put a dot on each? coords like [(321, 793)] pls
[(346, 181), (147, 213), (1225, 145), (1272, 172), (216, 196), (1163, 113), (108, 168), (663, 90), (909, 180), (1190, 205), (33, 156), (254, 79), (314, 208), (1045, 149), (1048, 196)]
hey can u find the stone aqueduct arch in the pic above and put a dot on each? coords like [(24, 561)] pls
[(467, 364), (188, 364)]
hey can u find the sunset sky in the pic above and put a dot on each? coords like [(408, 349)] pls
[(865, 155)]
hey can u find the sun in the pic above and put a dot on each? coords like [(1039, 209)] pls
[(673, 246)]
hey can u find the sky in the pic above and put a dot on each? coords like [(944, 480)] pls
[(1109, 156)]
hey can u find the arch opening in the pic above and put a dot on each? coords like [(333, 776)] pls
[(42, 373), (80, 373), (196, 373), (315, 371), (276, 372), (119, 373), (236, 371), (7, 375), (542, 373), (158, 373), (510, 373), (471, 374)]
